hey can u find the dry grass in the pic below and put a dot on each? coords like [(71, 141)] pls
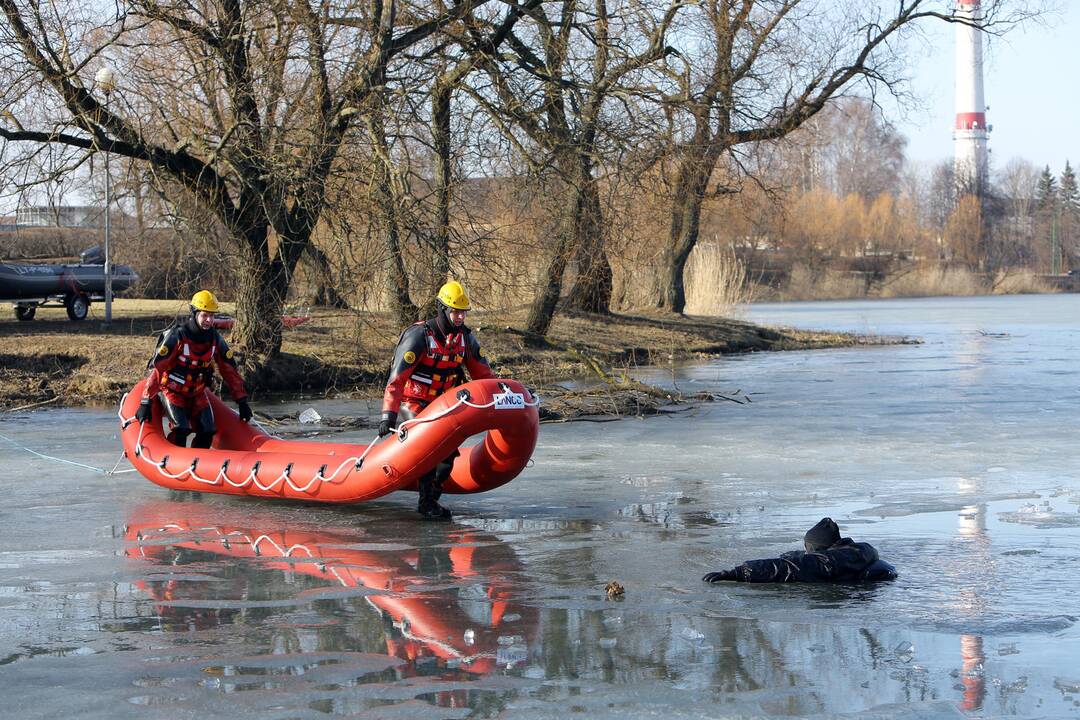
[(925, 280), (716, 281), (346, 353), (932, 281), (806, 284), (1018, 282)]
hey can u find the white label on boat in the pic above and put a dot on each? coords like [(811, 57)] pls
[(509, 401)]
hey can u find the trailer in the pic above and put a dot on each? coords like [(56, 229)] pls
[(72, 286)]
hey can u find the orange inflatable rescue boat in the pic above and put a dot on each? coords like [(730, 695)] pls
[(245, 460)]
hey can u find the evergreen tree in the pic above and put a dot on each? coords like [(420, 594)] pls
[(1069, 218), (1046, 216), (1046, 191), (1068, 193)]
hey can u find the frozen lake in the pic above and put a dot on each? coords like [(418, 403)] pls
[(956, 458)]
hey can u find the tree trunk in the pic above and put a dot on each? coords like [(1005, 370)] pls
[(326, 292), (398, 276), (542, 311), (389, 201), (261, 288), (440, 251), (683, 235), (592, 288)]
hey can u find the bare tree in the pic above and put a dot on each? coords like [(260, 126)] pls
[(861, 152), (1016, 184), (565, 64), (768, 67), (244, 103)]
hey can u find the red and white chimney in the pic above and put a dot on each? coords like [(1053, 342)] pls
[(970, 158)]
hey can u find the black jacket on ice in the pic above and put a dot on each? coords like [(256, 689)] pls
[(846, 561), (828, 558)]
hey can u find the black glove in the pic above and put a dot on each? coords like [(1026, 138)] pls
[(714, 577), (389, 420), (144, 412), (245, 409)]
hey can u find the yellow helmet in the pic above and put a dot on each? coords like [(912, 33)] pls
[(453, 295), (205, 301)]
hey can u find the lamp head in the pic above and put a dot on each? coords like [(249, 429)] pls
[(105, 79)]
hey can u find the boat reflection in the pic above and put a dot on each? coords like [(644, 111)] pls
[(441, 600)]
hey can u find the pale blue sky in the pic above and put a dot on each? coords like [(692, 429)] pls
[(1032, 86)]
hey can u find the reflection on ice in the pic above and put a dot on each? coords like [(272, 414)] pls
[(394, 582)]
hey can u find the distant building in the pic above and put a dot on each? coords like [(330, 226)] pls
[(7, 223), (68, 216)]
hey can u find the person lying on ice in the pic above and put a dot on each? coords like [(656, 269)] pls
[(181, 369), (828, 558), (430, 358)]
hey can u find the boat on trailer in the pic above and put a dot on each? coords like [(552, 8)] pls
[(72, 286)]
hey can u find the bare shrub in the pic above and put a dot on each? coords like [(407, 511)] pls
[(47, 242)]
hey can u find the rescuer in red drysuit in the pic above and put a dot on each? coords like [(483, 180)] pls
[(431, 357), (181, 369)]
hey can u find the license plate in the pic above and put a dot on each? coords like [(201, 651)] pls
[(509, 401)]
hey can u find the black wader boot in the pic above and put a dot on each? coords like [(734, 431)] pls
[(178, 437), (430, 492), (202, 440)]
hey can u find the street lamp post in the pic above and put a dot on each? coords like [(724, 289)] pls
[(106, 80)]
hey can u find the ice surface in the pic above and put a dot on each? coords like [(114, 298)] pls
[(955, 459)]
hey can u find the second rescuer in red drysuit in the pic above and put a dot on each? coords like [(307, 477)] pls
[(181, 369), (431, 357)]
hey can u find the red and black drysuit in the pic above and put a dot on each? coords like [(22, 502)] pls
[(180, 372), (430, 358)]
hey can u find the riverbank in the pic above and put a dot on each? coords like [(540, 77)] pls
[(50, 361)]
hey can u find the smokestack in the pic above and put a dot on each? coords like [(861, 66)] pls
[(970, 159)]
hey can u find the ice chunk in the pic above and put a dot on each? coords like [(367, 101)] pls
[(470, 636), (1069, 686), (689, 633), (608, 642), (309, 417)]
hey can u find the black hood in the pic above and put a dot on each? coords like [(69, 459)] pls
[(193, 331), (822, 536), (442, 326)]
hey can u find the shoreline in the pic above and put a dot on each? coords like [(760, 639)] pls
[(51, 362)]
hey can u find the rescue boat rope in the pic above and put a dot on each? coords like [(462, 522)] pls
[(253, 476), (103, 471)]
